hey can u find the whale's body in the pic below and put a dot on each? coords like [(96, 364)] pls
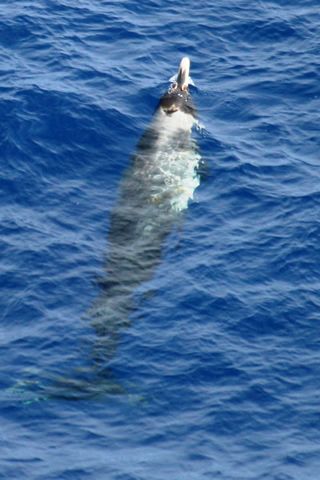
[(153, 192)]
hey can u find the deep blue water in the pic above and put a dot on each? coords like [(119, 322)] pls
[(219, 363)]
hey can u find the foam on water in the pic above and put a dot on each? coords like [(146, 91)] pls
[(179, 177), (172, 172)]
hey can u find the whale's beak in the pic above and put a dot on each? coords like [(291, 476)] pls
[(177, 97), (183, 74)]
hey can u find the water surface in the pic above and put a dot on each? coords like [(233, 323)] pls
[(219, 363)]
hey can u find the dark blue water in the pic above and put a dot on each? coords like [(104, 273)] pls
[(218, 367)]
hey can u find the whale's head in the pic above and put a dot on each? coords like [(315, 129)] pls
[(178, 97)]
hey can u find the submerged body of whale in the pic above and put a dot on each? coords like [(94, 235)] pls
[(153, 192), (155, 189)]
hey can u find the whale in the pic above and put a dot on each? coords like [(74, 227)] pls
[(153, 193)]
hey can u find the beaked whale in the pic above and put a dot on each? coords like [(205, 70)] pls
[(153, 192)]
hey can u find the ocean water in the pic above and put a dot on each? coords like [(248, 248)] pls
[(214, 373)]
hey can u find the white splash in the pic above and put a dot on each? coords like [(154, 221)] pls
[(173, 170), (179, 178)]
